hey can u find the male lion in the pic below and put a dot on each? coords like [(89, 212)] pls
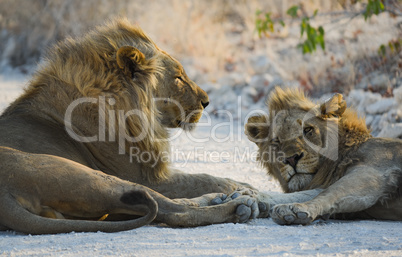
[(330, 157), (70, 145)]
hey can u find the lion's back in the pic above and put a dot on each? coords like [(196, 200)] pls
[(381, 153)]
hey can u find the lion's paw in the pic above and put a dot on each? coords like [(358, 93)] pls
[(204, 200), (247, 210), (243, 191), (263, 206), (288, 214), (219, 199), (223, 198), (250, 209), (264, 209)]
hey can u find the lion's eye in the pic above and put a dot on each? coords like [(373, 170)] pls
[(307, 130), (180, 78)]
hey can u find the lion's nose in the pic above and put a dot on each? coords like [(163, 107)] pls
[(204, 104), (293, 160)]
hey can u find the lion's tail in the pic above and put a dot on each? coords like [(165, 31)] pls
[(16, 217)]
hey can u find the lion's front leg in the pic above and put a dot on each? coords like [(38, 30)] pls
[(204, 200), (183, 185), (360, 189), (184, 213), (268, 200), (174, 213)]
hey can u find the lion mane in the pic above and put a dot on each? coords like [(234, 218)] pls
[(65, 76)]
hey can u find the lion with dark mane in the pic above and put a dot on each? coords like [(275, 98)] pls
[(331, 165), (67, 143)]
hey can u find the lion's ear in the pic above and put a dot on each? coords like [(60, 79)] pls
[(130, 60), (257, 128), (333, 107)]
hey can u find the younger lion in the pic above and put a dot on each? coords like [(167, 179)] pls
[(331, 161)]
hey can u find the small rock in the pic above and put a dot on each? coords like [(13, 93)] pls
[(248, 96), (232, 80), (363, 83), (374, 126), (369, 119), (223, 99), (398, 94), (392, 130), (361, 99), (384, 121), (249, 91), (394, 115), (260, 64), (380, 82), (210, 87), (382, 106), (260, 81)]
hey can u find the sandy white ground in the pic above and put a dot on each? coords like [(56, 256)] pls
[(234, 159)]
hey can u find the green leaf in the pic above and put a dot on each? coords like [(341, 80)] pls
[(373, 7), (271, 27), (311, 31), (259, 32), (369, 10), (292, 11), (303, 26), (321, 30), (321, 41), (312, 45), (306, 49), (282, 23), (398, 45), (391, 46), (315, 13), (382, 7), (381, 50)]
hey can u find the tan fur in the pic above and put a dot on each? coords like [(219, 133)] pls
[(64, 67), (288, 99), (133, 92), (358, 172)]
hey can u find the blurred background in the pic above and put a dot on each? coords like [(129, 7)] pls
[(218, 43)]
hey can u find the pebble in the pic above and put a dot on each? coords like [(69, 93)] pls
[(382, 106)]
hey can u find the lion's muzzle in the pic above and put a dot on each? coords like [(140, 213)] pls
[(293, 160)]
